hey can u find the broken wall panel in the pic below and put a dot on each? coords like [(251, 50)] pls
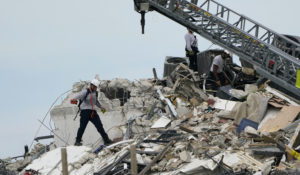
[(285, 117), (253, 109)]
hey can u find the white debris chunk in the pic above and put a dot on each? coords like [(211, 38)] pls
[(185, 156), (52, 159), (224, 104), (162, 122), (197, 165)]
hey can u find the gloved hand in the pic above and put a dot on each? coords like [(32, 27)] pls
[(103, 110), (218, 83), (74, 101), (191, 52), (226, 82)]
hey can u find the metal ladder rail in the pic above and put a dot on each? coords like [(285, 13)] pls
[(212, 28), (280, 66), (253, 50), (251, 27)]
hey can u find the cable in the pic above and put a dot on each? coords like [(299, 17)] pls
[(54, 134), (46, 116), (51, 122), (210, 46)]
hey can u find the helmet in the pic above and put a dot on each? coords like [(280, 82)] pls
[(228, 53), (95, 82)]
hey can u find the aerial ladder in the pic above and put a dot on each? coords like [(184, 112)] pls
[(274, 56)]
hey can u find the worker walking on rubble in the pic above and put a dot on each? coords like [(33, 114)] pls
[(216, 71), (87, 99), (191, 49)]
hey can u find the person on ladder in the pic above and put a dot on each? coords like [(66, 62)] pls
[(88, 99), (191, 49)]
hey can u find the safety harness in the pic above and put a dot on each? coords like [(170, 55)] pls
[(80, 102), (92, 114)]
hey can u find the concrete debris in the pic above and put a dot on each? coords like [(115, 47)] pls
[(242, 94), (162, 122), (176, 129), (283, 96), (185, 156), (182, 107), (188, 89), (254, 108), (170, 105), (250, 88), (239, 94), (226, 105), (251, 130), (198, 165)]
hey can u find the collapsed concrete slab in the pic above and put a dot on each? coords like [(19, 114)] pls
[(50, 162)]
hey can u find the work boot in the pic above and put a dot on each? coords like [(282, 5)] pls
[(78, 143), (108, 142)]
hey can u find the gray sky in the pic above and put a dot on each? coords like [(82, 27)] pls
[(46, 46)]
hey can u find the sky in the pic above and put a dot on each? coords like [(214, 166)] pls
[(46, 46)]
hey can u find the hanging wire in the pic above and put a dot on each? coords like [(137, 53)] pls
[(210, 46), (38, 130), (50, 123)]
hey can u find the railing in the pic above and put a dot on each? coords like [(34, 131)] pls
[(253, 42)]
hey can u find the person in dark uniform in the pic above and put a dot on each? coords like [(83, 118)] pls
[(191, 49)]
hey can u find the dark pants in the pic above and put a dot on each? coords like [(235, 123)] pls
[(85, 117), (212, 79), (193, 60)]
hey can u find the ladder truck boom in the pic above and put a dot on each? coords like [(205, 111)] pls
[(250, 40)]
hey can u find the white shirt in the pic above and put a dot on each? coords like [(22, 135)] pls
[(218, 61), (190, 41)]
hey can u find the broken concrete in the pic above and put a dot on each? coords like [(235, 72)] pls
[(177, 130), (253, 109)]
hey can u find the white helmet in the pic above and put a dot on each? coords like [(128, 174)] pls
[(95, 82), (228, 53)]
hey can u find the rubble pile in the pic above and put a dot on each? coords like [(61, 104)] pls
[(4, 170), (11, 165), (172, 126)]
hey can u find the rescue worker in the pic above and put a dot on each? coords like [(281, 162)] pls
[(88, 113), (216, 71), (191, 49)]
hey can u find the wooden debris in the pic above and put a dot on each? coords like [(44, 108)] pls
[(133, 163), (187, 130), (158, 157), (285, 117)]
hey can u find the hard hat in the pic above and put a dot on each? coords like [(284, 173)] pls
[(228, 53), (95, 82)]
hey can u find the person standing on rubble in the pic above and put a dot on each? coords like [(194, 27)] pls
[(216, 71), (87, 99), (191, 48)]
